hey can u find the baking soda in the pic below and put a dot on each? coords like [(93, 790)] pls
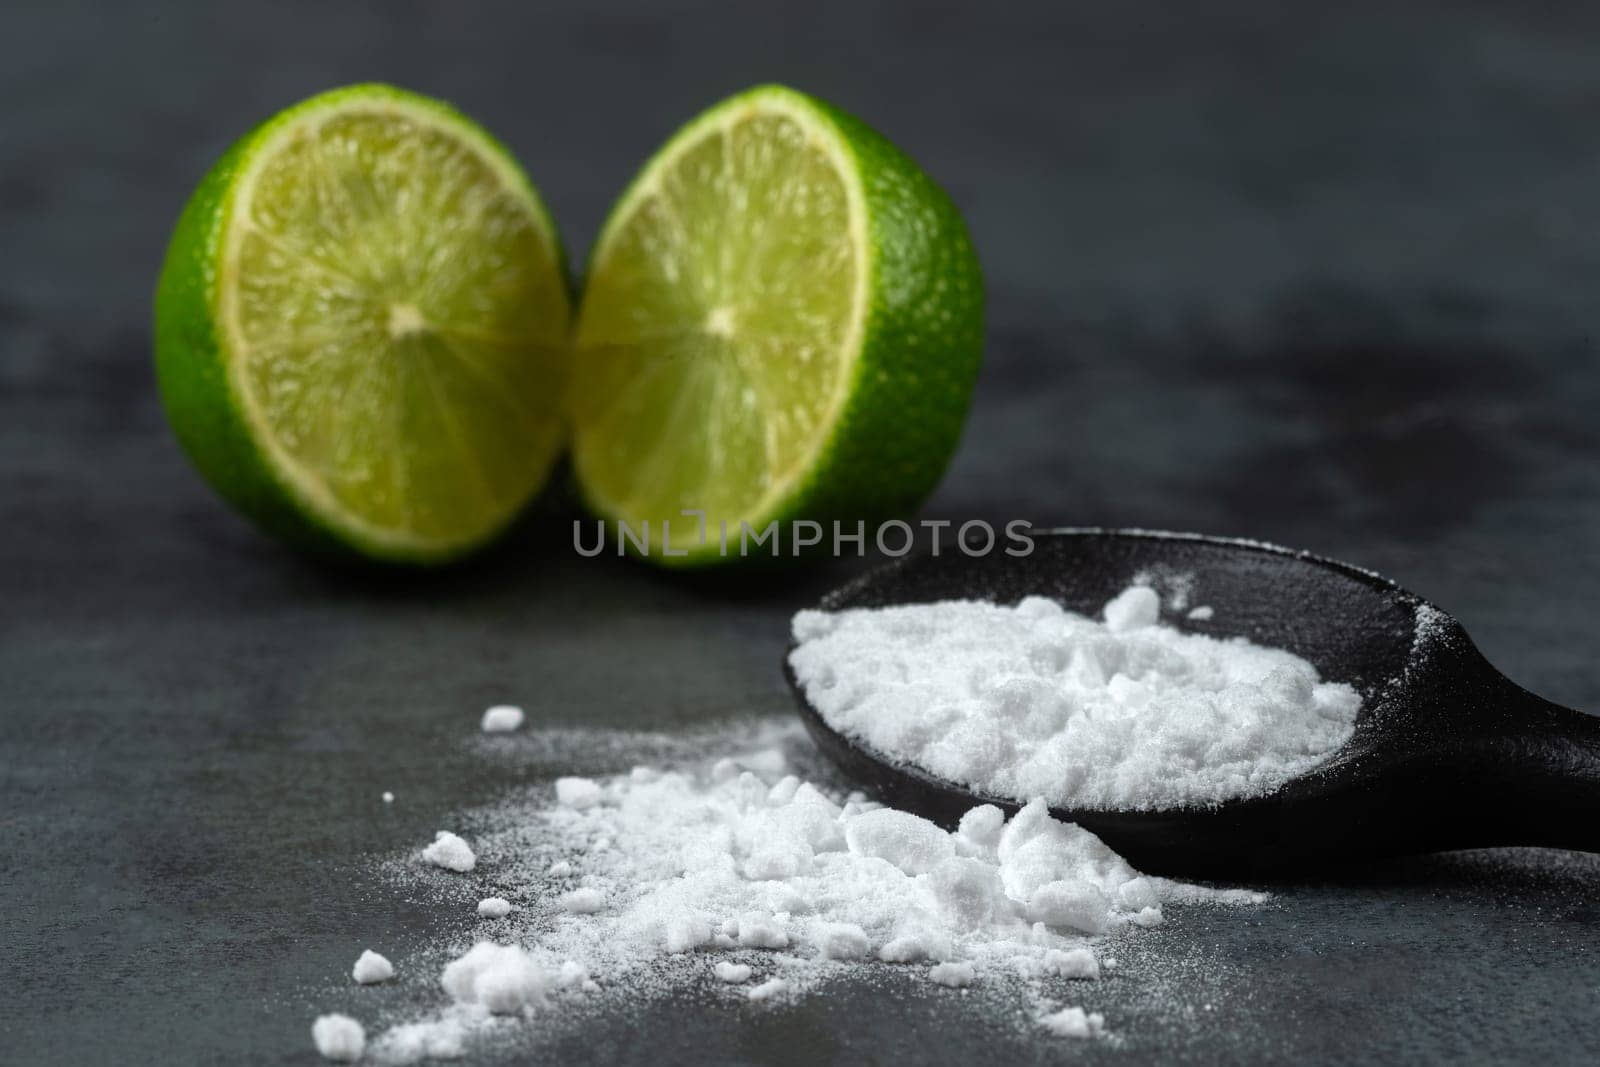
[(1031, 700), (339, 1038), (744, 869), (450, 852), (494, 907), (372, 968), (772, 987), (733, 973), (501, 719), (1074, 1022), (504, 979)]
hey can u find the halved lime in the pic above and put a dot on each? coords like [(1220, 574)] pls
[(782, 320), (361, 328)]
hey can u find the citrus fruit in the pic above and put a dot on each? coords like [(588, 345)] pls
[(361, 328), (782, 320)]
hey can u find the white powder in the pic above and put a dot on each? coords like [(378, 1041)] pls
[(1074, 963), (502, 719), (732, 973), (503, 978), (1034, 701), (842, 941), (339, 1037), (582, 901), (736, 874), (772, 987), (1134, 608), (757, 929), (372, 968), (494, 907), (439, 1039), (450, 852), (578, 793), (954, 975), (1074, 1022)]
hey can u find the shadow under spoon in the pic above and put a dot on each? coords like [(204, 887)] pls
[(1446, 753)]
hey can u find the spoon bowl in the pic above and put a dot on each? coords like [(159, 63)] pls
[(1446, 752)]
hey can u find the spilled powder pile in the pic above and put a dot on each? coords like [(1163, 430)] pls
[(1034, 701), (730, 873)]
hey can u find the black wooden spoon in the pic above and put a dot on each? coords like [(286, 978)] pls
[(1447, 752)]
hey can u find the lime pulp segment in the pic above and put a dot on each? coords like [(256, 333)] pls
[(721, 318), (394, 312)]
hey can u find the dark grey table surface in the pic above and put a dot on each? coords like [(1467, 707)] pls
[(1323, 274)]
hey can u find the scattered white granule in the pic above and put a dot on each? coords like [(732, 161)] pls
[(784, 791), (560, 869), (912, 844), (732, 973), (388, 797), (450, 852), (913, 948), (759, 930), (572, 975), (954, 975), (372, 968), (1073, 963), (1070, 904), (979, 831), (1032, 701), (1134, 607), (687, 933), (583, 901), (494, 907), (339, 1038), (502, 978), (502, 719), (579, 793), (770, 988), (1138, 894), (841, 941), (1074, 1022), (1202, 613), (769, 763), (439, 1039)]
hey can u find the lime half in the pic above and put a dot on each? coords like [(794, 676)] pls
[(782, 320), (361, 328)]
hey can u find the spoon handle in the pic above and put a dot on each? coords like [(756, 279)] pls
[(1536, 783), (1560, 790)]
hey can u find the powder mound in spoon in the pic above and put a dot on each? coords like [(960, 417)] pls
[(1032, 700)]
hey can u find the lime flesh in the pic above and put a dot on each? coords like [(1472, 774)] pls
[(382, 311), (714, 347)]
